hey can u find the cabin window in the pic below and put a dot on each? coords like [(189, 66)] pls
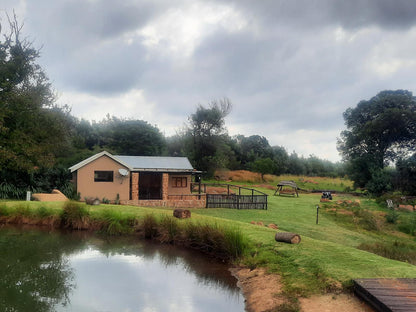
[(103, 176), (180, 182)]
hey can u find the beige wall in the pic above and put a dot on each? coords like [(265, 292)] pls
[(88, 188), (179, 190)]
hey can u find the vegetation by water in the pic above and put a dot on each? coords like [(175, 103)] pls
[(331, 253), (223, 241)]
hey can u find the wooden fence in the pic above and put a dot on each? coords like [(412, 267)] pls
[(235, 197)]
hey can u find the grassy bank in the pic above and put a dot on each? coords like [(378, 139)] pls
[(331, 253), (226, 242)]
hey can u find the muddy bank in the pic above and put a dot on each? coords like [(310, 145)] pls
[(263, 292)]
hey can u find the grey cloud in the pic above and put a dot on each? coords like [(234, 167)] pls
[(114, 68), (284, 71), (310, 14)]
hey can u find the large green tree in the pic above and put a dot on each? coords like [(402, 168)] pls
[(130, 137), (33, 129), (207, 134), (378, 132)]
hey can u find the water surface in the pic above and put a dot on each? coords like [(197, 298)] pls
[(41, 271)]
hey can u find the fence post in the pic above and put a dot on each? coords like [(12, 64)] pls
[(228, 189)]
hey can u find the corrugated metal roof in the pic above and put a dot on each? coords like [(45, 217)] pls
[(145, 163), (156, 162), (92, 158)]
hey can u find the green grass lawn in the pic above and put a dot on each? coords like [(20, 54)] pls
[(327, 256), (328, 251)]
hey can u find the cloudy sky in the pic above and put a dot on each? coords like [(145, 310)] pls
[(290, 67)]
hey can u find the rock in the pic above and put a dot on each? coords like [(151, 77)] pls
[(92, 201), (273, 226)]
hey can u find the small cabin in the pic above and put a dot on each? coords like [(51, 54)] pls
[(137, 180)]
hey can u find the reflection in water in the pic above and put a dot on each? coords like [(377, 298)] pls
[(79, 272), (34, 271)]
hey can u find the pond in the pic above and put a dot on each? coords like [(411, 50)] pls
[(55, 271)]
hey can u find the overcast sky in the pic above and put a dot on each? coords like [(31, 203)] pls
[(290, 67)]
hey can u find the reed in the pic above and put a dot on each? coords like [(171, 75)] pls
[(393, 250), (75, 216), (149, 225), (168, 229), (114, 223)]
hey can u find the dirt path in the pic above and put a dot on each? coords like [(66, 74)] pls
[(263, 292)]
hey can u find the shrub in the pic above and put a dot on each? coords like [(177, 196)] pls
[(367, 220), (69, 190), (43, 212), (149, 226), (8, 190), (408, 225), (380, 182), (115, 223), (393, 250), (169, 229), (392, 216), (22, 211), (74, 216), (222, 242), (235, 242), (4, 211)]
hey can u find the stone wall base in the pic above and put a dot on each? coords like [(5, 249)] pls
[(190, 203)]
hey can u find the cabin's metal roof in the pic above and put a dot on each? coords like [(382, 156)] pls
[(157, 163), (143, 163)]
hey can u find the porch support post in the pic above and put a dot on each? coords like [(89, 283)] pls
[(165, 186), (135, 186)]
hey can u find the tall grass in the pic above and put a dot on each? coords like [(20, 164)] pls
[(149, 226), (74, 216), (44, 212), (223, 242), (235, 242), (393, 250), (114, 223), (227, 243), (168, 229)]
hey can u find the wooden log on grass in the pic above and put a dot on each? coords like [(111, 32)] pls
[(287, 237), (181, 213)]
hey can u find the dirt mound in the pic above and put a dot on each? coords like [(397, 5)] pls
[(56, 195), (331, 302), (263, 291)]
